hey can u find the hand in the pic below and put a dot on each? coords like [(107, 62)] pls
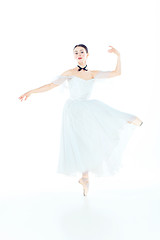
[(113, 50), (27, 94)]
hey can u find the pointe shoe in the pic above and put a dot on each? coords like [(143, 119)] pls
[(85, 182), (135, 122)]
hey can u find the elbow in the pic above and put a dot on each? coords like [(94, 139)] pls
[(118, 72)]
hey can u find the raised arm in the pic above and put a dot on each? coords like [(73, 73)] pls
[(118, 66), (109, 74)]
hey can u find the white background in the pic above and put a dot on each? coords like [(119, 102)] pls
[(36, 44)]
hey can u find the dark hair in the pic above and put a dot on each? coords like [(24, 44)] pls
[(81, 45)]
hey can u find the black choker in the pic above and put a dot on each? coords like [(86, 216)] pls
[(80, 68)]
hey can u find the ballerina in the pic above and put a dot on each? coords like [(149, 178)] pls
[(84, 117)]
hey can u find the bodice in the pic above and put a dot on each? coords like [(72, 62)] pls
[(80, 88)]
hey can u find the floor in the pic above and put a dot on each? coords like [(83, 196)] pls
[(117, 214)]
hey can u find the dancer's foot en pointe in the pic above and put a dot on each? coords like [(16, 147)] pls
[(85, 183), (136, 122)]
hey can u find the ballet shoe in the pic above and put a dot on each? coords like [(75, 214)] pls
[(135, 123), (85, 183)]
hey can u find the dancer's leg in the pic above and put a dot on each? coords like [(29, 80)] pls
[(85, 174), (85, 182)]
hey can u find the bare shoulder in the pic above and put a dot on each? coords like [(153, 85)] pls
[(67, 72)]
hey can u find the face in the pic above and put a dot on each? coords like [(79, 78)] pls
[(80, 54)]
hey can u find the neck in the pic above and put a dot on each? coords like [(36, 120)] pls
[(82, 64)]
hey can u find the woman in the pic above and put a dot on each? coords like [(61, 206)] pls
[(93, 134)]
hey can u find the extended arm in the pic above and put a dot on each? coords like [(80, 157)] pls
[(58, 80), (37, 90), (44, 88)]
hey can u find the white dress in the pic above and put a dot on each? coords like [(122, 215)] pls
[(93, 134)]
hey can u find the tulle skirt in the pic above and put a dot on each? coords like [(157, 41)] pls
[(94, 136)]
